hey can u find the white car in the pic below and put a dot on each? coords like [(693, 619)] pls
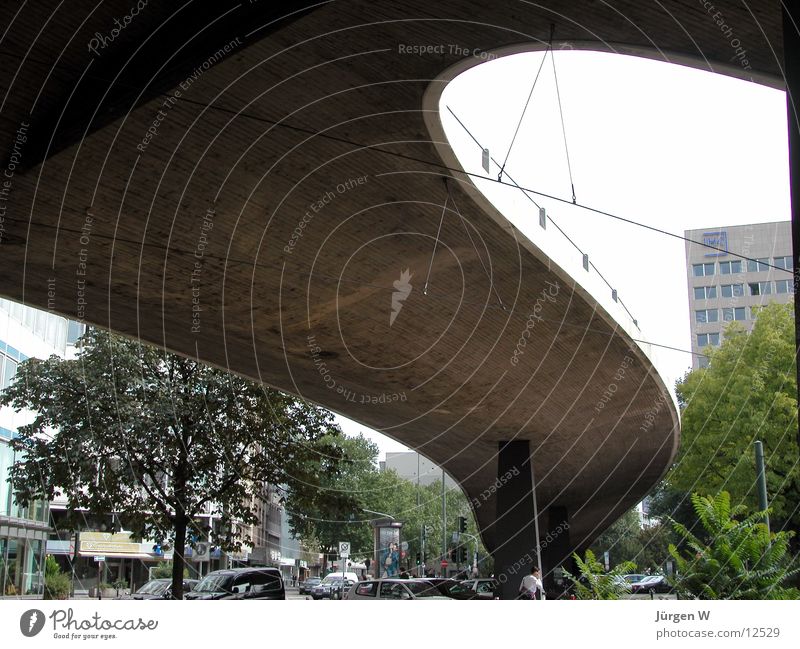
[(394, 589)]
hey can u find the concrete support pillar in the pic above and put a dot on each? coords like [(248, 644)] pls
[(514, 524), (556, 551), (791, 60)]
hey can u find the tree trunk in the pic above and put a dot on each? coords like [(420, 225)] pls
[(178, 552)]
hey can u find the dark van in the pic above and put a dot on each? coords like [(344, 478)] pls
[(240, 583)]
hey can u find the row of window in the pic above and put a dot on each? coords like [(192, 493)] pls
[(729, 314), (782, 286), (47, 326), (733, 267), (9, 359)]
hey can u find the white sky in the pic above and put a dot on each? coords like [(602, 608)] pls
[(661, 144)]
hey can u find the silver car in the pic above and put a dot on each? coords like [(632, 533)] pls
[(394, 589)]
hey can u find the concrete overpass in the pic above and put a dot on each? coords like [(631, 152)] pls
[(246, 183)]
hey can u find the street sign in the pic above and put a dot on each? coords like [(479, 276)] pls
[(99, 559), (344, 549), (456, 537), (444, 563), (201, 551)]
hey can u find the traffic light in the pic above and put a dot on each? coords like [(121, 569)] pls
[(453, 556), (462, 524), (462, 555), (418, 558)]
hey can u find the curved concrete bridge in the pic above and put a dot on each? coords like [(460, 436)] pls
[(257, 186)]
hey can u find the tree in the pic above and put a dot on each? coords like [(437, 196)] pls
[(57, 584), (593, 582), (377, 491), (741, 561), (748, 392), (321, 517), (622, 540), (158, 438)]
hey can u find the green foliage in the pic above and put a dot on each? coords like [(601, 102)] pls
[(741, 561), (157, 437), (593, 582), (628, 540), (621, 540), (51, 566), (164, 570), (748, 392), (57, 584), (380, 491)]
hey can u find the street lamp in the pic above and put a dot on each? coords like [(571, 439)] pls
[(369, 511)]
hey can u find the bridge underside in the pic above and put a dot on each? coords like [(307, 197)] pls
[(248, 191)]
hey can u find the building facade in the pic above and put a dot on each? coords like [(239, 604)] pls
[(24, 333), (410, 464), (724, 288)]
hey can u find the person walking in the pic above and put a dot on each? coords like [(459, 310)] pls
[(531, 586)]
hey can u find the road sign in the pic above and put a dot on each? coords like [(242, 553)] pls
[(201, 551), (444, 563), (99, 559), (344, 549)]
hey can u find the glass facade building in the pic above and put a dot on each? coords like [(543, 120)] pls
[(24, 333)]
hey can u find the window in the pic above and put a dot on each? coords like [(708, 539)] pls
[(760, 288), (754, 312), (730, 267), (784, 286), (760, 265), (75, 330), (367, 589), (705, 292), (707, 339), (732, 290), (262, 582), (783, 262), (702, 270), (706, 315), (393, 590), (702, 361), (9, 372), (733, 313)]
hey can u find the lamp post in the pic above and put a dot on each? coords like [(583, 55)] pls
[(381, 514)]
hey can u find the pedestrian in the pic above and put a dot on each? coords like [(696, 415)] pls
[(531, 586)]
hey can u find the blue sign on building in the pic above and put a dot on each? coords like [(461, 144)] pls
[(718, 240)]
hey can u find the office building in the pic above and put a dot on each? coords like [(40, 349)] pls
[(725, 288)]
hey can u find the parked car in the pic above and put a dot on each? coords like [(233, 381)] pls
[(651, 584), (307, 586), (339, 587), (443, 584), (160, 589), (394, 589), (472, 589), (240, 583), (323, 589), (634, 578)]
